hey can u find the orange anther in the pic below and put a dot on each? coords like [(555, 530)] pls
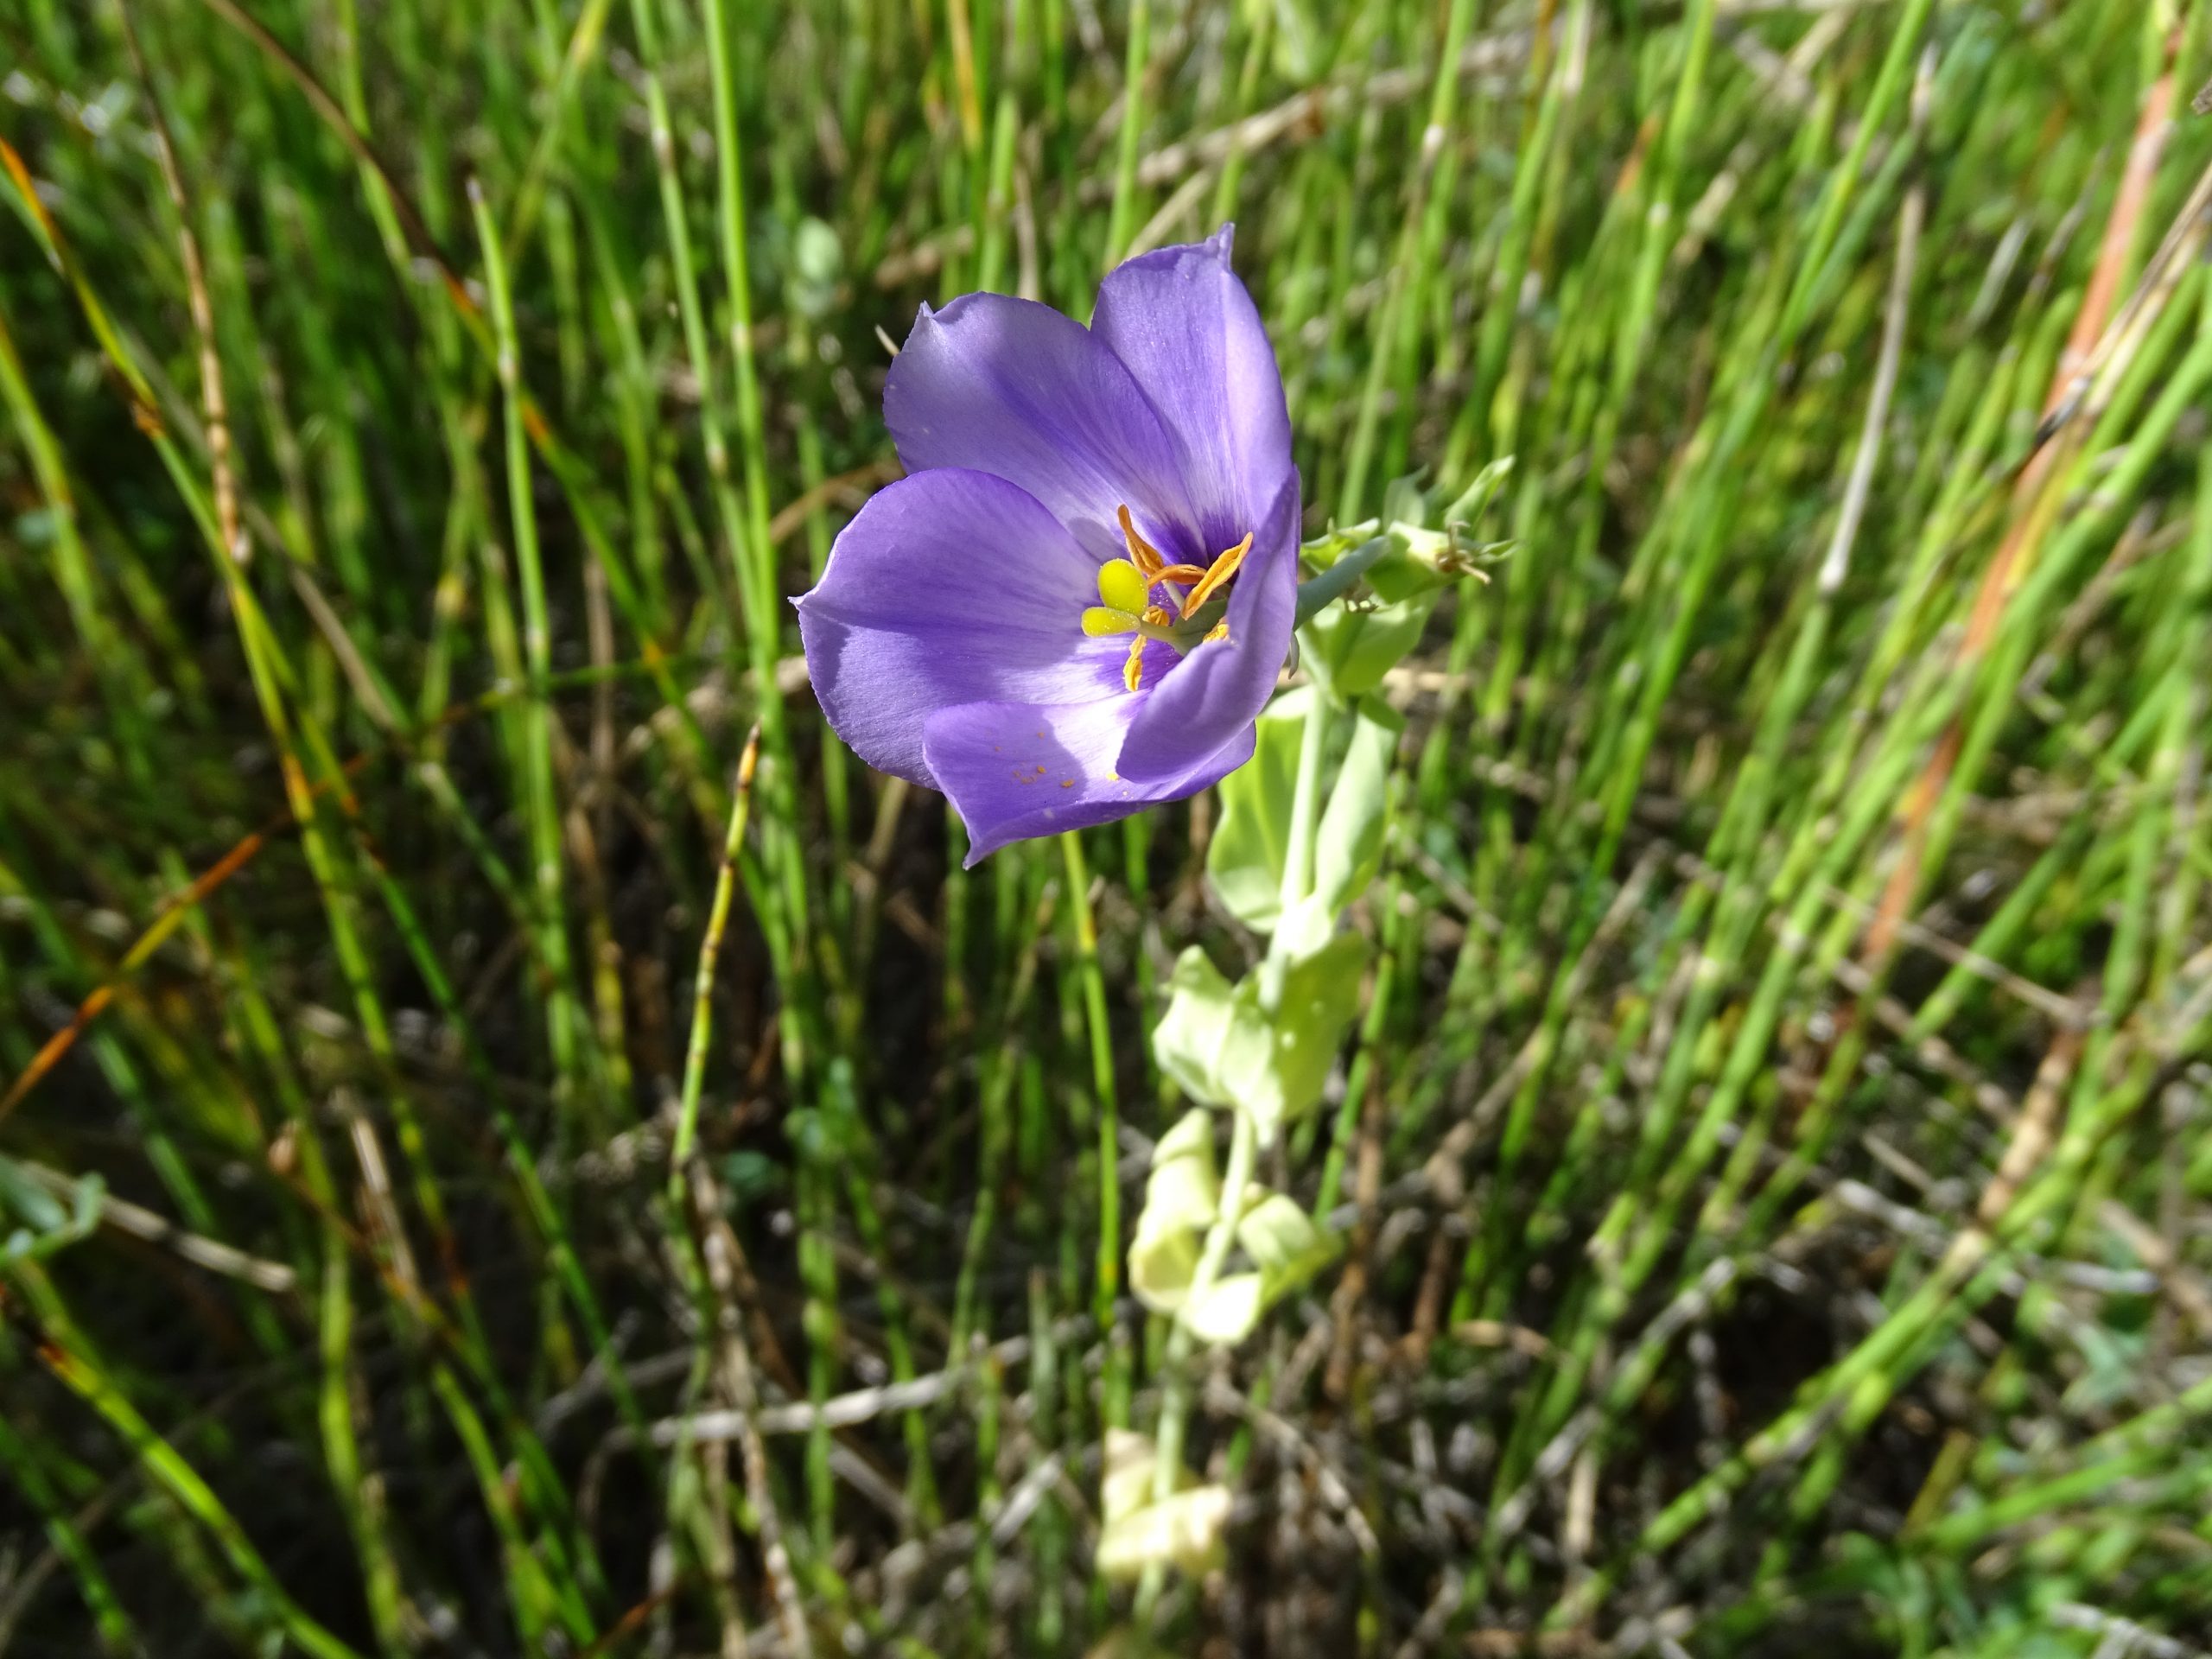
[(1143, 554), (1218, 577)]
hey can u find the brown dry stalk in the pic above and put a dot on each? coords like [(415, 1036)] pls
[(2035, 503), (721, 1253)]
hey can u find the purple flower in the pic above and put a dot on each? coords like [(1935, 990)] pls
[(1077, 603)]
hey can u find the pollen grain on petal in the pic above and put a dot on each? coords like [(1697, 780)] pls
[(1219, 631), (1218, 577)]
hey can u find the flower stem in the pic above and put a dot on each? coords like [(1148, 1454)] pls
[(1175, 1387), (1243, 1137), (1298, 860), (703, 1007), (1102, 1076)]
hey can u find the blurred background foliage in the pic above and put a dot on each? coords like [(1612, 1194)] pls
[(1772, 1158)]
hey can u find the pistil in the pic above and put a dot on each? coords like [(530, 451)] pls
[(1126, 603)]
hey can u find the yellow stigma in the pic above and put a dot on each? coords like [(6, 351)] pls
[(1126, 603), (1122, 587)]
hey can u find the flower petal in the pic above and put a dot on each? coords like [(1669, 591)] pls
[(950, 587), (1012, 388), (1016, 770), (1211, 697), (1184, 324)]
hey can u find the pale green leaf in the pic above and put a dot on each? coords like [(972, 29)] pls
[(1348, 851), (1125, 1484), (1224, 1313), (1184, 1530), (1218, 1045), (1279, 1077), (1284, 1243), (1189, 1037), (1245, 858), (1162, 1265), (1183, 1189)]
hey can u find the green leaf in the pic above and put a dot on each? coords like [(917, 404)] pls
[(1336, 580), (45, 1225), (1405, 501), (1478, 495), (25, 1199), (1354, 649), (1215, 1041), (1245, 859), (1348, 852)]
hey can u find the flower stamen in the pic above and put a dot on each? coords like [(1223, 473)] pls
[(1127, 606), (1217, 577), (1143, 554)]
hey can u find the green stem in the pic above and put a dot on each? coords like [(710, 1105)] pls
[(1175, 1388), (695, 1059), (1102, 1076)]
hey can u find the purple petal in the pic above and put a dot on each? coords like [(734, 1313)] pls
[(1020, 769), (1190, 334), (1211, 697), (1012, 388), (950, 587)]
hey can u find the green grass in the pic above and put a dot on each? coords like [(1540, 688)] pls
[(1774, 1149)]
